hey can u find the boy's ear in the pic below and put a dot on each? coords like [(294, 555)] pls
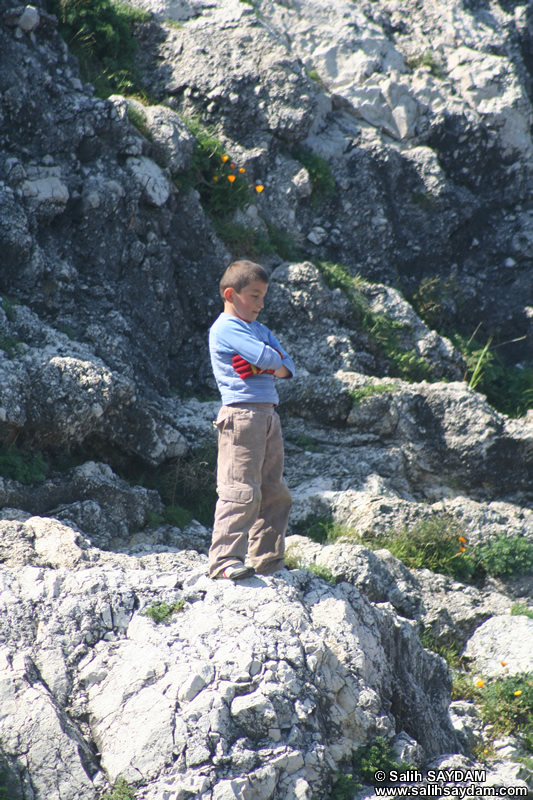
[(228, 294)]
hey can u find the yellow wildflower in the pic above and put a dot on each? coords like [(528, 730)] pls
[(503, 663), (241, 169), (518, 692), (225, 158), (462, 549), (231, 178), (259, 188), (480, 683), (462, 539)]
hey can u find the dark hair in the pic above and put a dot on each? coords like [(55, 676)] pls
[(240, 274)]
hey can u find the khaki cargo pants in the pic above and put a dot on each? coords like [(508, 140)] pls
[(254, 501)]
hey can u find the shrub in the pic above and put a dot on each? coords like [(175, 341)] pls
[(344, 787), (375, 756), (507, 705), (161, 612), (21, 465), (100, 34), (507, 555)]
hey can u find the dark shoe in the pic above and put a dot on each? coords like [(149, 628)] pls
[(236, 572)]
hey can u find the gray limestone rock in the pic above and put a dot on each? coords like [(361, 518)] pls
[(502, 638)]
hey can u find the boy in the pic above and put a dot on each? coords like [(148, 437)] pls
[(254, 501)]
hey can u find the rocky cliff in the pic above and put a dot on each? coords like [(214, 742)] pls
[(391, 138)]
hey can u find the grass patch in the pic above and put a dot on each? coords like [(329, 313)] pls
[(449, 651), (222, 187), (385, 333), (427, 59), (100, 34), (318, 168), (436, 544), (161, 612), (9, 345), (508, 389), (375, 756), (8, 307), (21, 465), (138, 118), (324, 530), (187, 486), (506, 704), (506, 555), (360, 394), (121, 791), (293, 561), (521, 610)]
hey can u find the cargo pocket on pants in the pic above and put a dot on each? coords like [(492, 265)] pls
[(237, 493)]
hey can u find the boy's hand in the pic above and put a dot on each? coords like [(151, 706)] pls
[(246, 370)]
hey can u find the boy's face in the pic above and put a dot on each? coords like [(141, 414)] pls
[(248, 302)]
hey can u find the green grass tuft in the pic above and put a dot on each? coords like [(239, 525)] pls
[(161, 612), (519, 609), (319, 171), (385, 333), (432, 544), (121, 791), (21, 465), (100, 34)]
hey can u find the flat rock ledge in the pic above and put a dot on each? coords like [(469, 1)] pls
[(258, 690)]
